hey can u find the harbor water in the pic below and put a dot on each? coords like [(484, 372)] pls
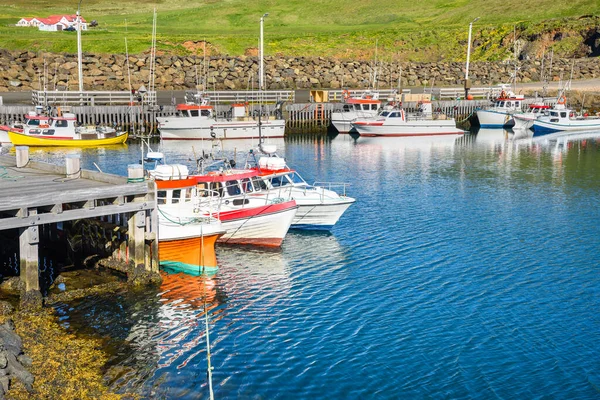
[(466, 268)]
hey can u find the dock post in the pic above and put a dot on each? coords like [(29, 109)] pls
[(73, 166), (28, 265), (22, 156), (137, 225)]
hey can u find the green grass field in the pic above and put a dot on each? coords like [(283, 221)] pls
[(399, 29)]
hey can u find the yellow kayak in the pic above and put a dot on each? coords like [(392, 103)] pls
[(19, 139)]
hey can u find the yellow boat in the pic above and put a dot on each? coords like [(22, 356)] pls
[(20, 139)]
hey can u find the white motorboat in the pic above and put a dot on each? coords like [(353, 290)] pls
[(199, 121), (525, 120), (501, 113), (562, 119), (366, 106), (320, 205), (396, 123)]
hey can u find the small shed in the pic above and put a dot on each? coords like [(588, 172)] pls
[(319, 96)]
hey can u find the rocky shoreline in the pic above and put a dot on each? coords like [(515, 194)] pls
[(23, 71)]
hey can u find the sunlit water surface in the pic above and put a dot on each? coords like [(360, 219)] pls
[(466, 269)]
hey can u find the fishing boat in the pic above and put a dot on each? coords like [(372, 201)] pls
[(251, 213), (562, 119), (199, 121), (501, 113), (188, 229), (62, 131), (397, 123), (320, 206), (525, 120), (31, 119), (365, 106)]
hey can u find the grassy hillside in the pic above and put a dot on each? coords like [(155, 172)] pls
[(403, 30)]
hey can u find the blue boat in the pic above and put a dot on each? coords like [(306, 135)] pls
[(561, 119)]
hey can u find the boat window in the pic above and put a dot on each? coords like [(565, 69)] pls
[(259, 184), (553, 114), (33, 122), (357, 107), (161, 197), (395, 115), (563, 114), (247, 185), (277, 181), (176, 196), (201, 190), (48, 131), (346, 108), (61, 123), (34, 131), (517, 104), (508, 104), (373, 106), (216, 187), (366, 107), (205, 113), (233, 188), (188, 194), (194, 113), (385, 113), (501, 104)]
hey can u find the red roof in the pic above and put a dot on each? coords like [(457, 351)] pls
[(54, 19)]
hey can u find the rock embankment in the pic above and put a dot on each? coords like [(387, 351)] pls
[(31, 71)]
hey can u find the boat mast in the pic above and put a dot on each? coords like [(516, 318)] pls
[(79, 55)]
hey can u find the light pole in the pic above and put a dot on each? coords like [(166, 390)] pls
[(79, 60), (467, 83), (261, 54)]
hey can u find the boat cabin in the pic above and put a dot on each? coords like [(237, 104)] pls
[(63, 126), (509, 101), (193, 110), (361, 105)]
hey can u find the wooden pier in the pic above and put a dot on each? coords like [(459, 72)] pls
[(40, 200)]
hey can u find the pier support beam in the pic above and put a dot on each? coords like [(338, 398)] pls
[(28, 265), (137, 226)]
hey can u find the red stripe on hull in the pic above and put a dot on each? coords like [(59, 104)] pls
[(245, 213), (225, 138)]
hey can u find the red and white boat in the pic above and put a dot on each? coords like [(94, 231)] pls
[(199, 121), (365, 106), (251, 213), (396, 123), (32, 119)]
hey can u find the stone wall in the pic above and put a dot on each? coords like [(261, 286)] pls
[(20, 71)]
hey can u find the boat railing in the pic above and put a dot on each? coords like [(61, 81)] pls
[(338, 187), (207, 201)]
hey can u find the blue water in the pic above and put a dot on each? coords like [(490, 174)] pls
[(466, 269)]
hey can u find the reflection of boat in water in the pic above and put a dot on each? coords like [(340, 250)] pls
[(491, 135), (408, 142)]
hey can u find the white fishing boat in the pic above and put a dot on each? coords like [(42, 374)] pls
[(188, 224), (397, 123), (365, 106), (320, 205), (199, 121), (525, 120), (562, 119), (251, 213), (501, 113)]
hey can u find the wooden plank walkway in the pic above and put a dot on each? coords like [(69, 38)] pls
[(39, 194)]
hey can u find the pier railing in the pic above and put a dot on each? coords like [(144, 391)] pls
[(91, 98)]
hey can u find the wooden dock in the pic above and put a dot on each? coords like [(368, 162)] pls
[(39, 199)]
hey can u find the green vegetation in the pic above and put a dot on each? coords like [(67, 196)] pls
[(403, 30)]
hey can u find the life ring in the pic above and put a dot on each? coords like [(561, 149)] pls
[(44, 126), (346, 94), (562, 100)]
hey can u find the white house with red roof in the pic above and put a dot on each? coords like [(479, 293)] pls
[(53, 22)]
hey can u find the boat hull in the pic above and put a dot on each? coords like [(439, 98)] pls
[(19, 139), (411, 128), (229, 130), (259, 226), (342, 121), (541, 128), (319, 216), (188, 248), (523, 121), (494, 119)]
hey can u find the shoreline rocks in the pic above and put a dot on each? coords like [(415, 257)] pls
[(24, 71)]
